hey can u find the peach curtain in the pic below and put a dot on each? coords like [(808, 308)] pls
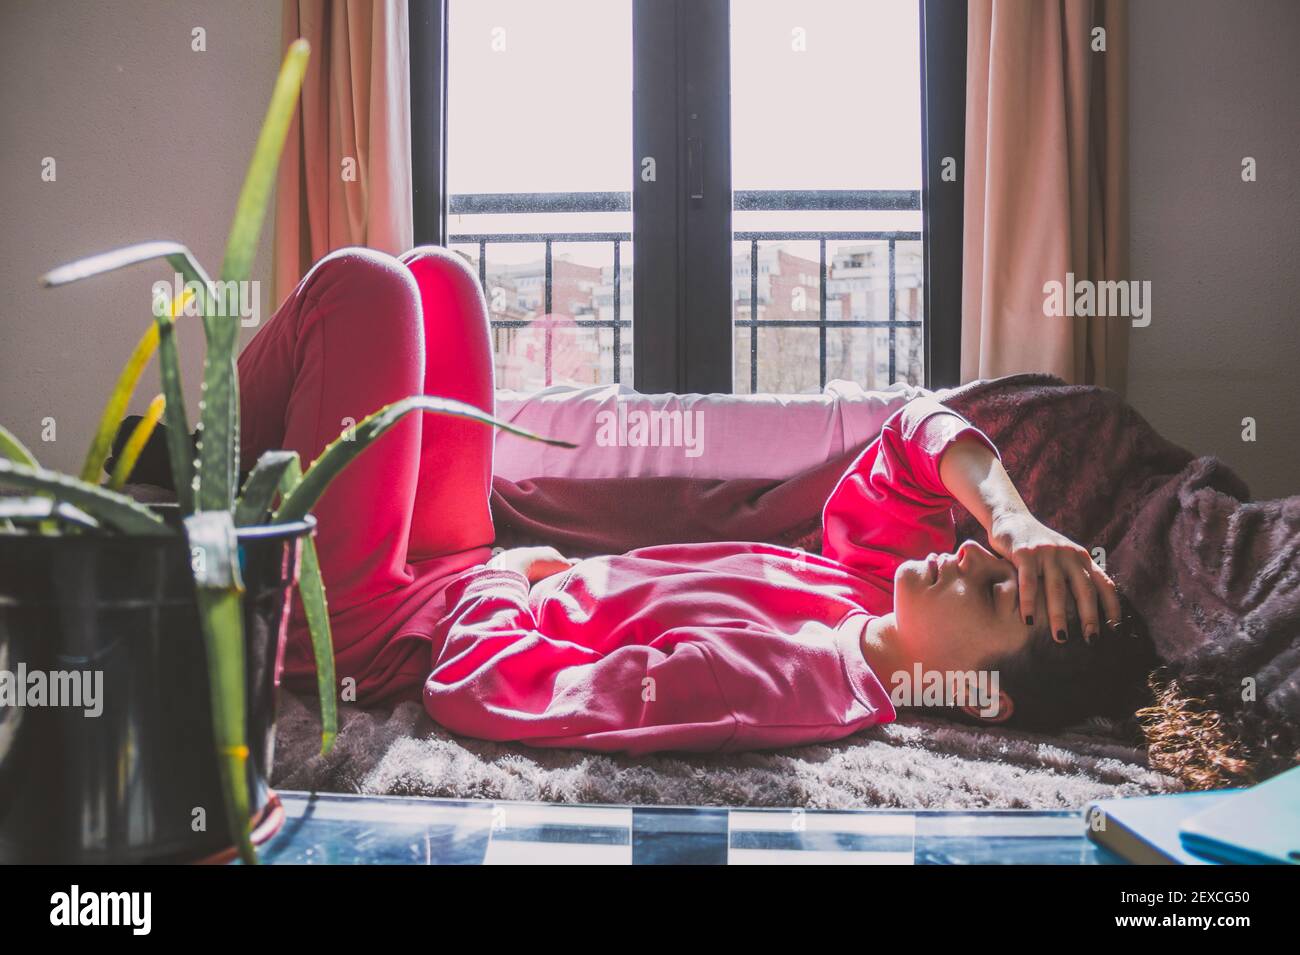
[(1046, 185), (345, 178)]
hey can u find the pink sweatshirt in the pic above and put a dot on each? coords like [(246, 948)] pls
[(716, 646)]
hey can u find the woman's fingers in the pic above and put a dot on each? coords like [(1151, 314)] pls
[(1106, 591), (1027, 572), (1054, 584), (1085, 598), (1062, 570)]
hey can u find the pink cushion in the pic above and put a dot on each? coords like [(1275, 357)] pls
[(622, 433)]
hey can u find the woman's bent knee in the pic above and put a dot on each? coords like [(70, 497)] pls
[(439, 259), (358, 284), (444, 276)]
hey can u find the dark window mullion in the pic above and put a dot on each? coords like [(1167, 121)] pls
[(427, 22), (943, 134), (704, 31), (821, 314), (618, 311), (656, 283), (682, 266), (893, 315), (753, 316), (548, 315)]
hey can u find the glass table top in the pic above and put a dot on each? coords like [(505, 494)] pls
[(390, 830)]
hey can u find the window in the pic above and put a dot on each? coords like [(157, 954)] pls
[(539, 159), (826, 179), (769, 161)]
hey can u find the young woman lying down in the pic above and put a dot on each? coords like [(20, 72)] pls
[(677, 647)]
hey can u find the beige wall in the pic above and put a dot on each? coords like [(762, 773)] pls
[(151, 141), (1213, 81)]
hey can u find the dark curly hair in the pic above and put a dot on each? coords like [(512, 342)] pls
[(1053, 685), (1203, 730)]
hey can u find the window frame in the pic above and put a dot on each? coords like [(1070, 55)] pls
[(427, 46), (683, 326), (943, 134), (681, 117)]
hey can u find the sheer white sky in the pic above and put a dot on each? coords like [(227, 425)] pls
[(540, 100)]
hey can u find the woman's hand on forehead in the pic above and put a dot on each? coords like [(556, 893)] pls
[(1050, 562)]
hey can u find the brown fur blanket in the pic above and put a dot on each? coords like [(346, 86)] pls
[(1215, 577)]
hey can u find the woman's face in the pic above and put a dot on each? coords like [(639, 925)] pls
[(960, 611)]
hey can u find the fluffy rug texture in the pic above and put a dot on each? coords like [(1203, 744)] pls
[(916, 763)]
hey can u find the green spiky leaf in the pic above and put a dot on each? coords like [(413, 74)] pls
[(219, 426), (43, 511), (181, 259), (281, 471), (116, 259), (341, 452), (14, 450), (261, 486), (250, 210), (311, 587), (109, 507), (180, 452), (115, 407), (214, 550), (135, 444)]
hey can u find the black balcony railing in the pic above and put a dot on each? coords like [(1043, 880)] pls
[(743, 201)]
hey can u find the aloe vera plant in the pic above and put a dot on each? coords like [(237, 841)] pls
[(212, 506)]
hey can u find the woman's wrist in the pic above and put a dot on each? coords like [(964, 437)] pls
[(977, 480), (1008, 509)]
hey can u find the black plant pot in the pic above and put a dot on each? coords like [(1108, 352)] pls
[(133, 783)]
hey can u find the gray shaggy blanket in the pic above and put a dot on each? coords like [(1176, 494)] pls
[(916, 763)]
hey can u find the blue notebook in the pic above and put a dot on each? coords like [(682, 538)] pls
[(1144, 829), (1257, 826)]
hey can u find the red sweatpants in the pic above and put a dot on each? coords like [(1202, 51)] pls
[(363, 329)]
